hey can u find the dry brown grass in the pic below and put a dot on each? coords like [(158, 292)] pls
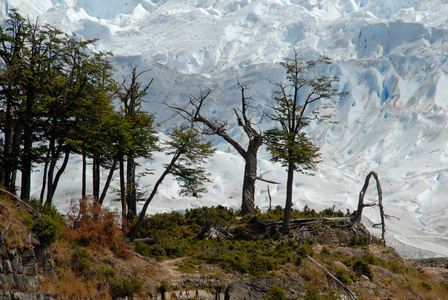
[(96, 226), (15, 230)]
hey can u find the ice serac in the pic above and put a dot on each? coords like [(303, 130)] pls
[(389, 55)]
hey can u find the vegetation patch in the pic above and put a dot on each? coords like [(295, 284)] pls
[(127, 287), (45, 229)]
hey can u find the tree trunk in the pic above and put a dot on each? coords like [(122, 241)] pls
[(17, 140), (123, 198), (141, 216), (53, 182), (250, 174), (8, 165), (51, 167), (84, 176), (44, 180), (96, 177), (108, 181), (27, 158), (288, 205), (131, 188)]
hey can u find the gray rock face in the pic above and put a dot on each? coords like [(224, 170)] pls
[(45, 262), (2, 242), (249, 289), (19, 269), (17, 265), (7, 295), (7, 266), (29, 268)]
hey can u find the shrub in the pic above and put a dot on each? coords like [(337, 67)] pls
[(142, 248), (306, 249), (126, 287), (81, 260), (359, 241), (163, 288), (95, 226), (426, 285), (343, 276), (324, 251), (106, 272), (45, 229), (276, 293), (360, 267)]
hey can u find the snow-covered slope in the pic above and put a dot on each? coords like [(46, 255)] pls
[(390, 56)]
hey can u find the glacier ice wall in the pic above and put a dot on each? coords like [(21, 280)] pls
[(390, 56)]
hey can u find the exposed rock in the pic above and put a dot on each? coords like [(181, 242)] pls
[(7, 266), (8, 295), (340, 265), (436, 262), (7, 280), (45, 262), (29, 268), (2, 243), (253, 289), (192, 294), (17, 265), (439, 274)]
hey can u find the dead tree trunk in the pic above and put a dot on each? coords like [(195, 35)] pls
[(244, 121), (356, 218)]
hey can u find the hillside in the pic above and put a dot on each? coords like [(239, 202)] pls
[(390, 56), (79, 265)]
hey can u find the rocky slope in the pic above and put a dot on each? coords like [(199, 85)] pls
[(30, 271)]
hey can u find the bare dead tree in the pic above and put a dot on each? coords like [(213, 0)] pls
[(194, 114), (356, 217)]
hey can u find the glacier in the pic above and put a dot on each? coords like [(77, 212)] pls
[(389, 55)]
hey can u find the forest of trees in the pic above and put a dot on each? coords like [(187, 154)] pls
[(58, 98)]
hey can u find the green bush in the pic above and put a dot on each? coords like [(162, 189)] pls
[(276, 293), (359, 241), (360, 267), (163, 288), (81, 260), (142, 248), (181, 235), (426, 285), (45, 229), (306, 249), (343, 276), (126, 287), (106, 272)]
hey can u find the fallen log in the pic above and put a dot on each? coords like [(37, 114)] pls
[(350, 294)]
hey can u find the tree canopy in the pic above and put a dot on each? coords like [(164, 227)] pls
[(304, 97)]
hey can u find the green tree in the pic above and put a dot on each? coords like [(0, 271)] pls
[(76, 107), (188, 152), (27, 53), (13, 36), (304, 98), (53, 94), (142, 133)]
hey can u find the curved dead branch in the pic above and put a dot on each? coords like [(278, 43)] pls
[(356, 217)]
